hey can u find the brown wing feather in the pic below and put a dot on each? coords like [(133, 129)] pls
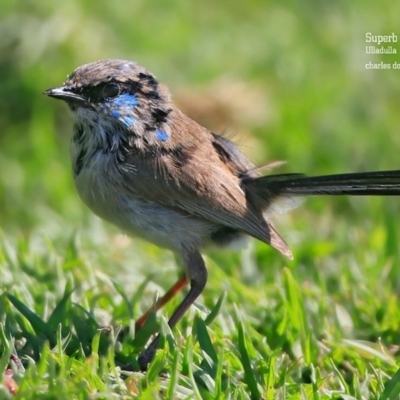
[(195, 179)]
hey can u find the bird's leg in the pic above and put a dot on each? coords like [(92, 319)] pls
[(178, 286), (197, 274)]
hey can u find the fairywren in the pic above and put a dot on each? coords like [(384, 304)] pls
[(143, 165)]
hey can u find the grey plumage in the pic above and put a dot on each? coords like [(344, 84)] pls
[(143, 165)]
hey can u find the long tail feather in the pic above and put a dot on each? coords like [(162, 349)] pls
[(384, 183)]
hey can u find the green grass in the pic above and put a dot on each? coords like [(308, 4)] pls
[(331, 333), (290, 79)]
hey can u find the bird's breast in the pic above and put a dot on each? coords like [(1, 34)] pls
[(100, 188)]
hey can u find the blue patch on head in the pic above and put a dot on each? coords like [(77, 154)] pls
[(115, 113), (125, 100), (161, 135), (128, 121), (125, 67)]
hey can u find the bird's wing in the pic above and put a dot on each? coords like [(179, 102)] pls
[(198, 181)]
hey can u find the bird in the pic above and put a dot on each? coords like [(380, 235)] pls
[(143, 165)]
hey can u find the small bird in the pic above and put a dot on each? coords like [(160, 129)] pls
[(141, 164)]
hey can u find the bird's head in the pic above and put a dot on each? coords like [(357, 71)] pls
[(117, 95)]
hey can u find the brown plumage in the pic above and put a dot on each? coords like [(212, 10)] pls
[(143, 165)]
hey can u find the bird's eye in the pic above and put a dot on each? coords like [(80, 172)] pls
[(111, 90)]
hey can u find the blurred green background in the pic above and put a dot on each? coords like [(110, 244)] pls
[(287, 80)]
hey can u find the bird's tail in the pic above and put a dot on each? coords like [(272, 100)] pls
[(277, 193), (384, 183), (274, 194)]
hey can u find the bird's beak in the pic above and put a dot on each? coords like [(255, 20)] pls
[(65, 93)]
